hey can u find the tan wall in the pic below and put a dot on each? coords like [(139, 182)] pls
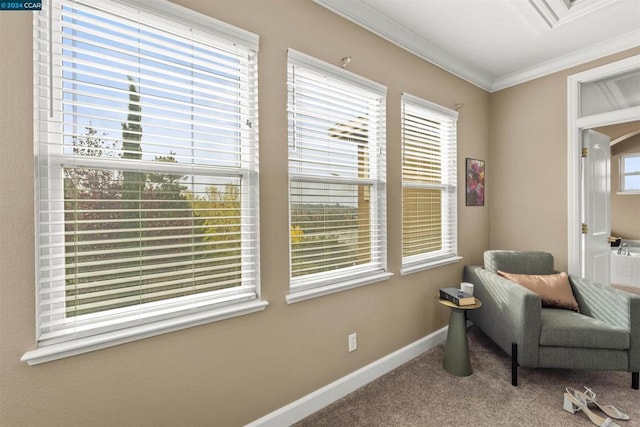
[(619, 130), (528, 170), (625, 210), (234, 371)]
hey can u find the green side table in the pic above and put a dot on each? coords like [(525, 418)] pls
[(456, 353)]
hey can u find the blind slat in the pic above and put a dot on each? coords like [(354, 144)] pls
[(147, 165), (336, 172), (429, 194)]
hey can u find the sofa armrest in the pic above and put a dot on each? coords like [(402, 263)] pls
[(615, 307), (510, 313)]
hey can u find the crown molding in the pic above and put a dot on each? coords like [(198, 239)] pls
[(371, 19), (554, 13), (549, 11), (582, 8), (593, 52)]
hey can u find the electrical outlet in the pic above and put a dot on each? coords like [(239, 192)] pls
[(353, 342)]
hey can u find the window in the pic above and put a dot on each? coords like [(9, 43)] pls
[(429, 196), (146, 146), (336, 178), (630, 173)]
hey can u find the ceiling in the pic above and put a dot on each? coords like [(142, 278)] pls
[(495, 44), (620, 132)]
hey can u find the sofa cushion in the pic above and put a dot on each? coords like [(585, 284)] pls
[(564, 328), (523, 262), (554, 289)]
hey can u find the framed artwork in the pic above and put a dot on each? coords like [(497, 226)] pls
[(475, 182)]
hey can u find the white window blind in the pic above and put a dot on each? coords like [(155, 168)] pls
[(630, 173), (336, 174), (146, 157), (429, 225)]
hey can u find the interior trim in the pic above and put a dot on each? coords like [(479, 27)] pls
[(625, 137), (575, 125), (370, 19), (602, 49), (109, 339), (328, 394), (367, 17)]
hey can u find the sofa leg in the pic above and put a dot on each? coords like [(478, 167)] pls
[(514, 364), (635, 380)]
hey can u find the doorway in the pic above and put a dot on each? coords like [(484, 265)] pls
[(580, 117)]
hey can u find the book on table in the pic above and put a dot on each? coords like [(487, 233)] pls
[(456, 296)]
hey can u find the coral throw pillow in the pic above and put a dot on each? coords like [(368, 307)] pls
[(554, 289)]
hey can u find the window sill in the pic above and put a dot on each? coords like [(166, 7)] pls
[(110, 339), (628, 193), (302, 295), (427, 265)]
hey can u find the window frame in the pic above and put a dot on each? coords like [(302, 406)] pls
[(178, 312), (623, 174), (448, 185), (324, 283)]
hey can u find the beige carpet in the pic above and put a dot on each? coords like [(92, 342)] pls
[(421, 393)]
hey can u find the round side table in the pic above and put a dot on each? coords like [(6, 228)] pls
[(456, 353)]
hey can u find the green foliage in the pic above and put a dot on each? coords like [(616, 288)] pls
[(220, 214), (133, 182), (135, 237), (323, 238), (132, 128), (157, 240)]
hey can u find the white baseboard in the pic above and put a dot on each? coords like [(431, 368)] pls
[(328, 394)]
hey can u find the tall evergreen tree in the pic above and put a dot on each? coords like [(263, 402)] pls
[(133, 182)]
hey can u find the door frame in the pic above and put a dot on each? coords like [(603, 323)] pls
[(575, 125)]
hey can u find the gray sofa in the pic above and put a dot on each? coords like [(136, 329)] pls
[(604, 335)]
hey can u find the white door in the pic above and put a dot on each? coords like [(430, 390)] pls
[(596, 207)]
